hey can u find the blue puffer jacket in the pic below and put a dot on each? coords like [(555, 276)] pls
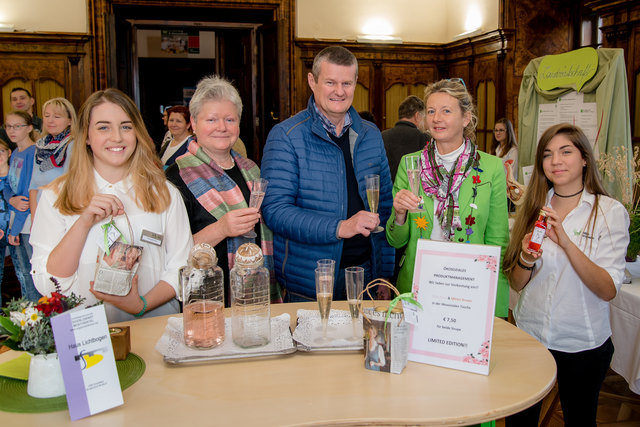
[(307, 196)]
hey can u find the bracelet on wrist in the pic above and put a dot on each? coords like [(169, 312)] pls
[(530, 263), (524, 267), (144, 307)]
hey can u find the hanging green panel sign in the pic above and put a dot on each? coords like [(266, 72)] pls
[(571, 69)]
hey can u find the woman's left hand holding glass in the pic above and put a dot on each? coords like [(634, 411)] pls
[(239, 221)]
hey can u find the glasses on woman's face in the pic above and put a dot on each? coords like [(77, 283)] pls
[(16, 127), (499, 130)]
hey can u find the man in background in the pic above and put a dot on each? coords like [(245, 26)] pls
[(407, 136), (316, 203), (21, 100)]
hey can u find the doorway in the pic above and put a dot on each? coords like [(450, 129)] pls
[(243, 50)]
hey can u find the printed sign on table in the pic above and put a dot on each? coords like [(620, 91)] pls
[(456, 284), (86, 357)]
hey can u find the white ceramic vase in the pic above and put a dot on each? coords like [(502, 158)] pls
[(45, 376)]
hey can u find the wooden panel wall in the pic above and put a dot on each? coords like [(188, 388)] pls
[(532, 29), (621, 28), (48, 65), (392, 72)]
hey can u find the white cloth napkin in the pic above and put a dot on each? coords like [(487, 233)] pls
[(339, 332), (171, 343)]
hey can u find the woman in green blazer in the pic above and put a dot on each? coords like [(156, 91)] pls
[(463, 191)]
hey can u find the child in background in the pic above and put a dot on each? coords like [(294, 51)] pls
[(19, 128), (5, 153)]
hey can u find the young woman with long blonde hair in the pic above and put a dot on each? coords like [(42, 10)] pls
[(114, 174)]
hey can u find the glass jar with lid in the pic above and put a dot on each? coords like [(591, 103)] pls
[(250, 299), (202, 290)]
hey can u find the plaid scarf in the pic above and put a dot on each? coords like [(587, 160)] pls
[(219, 194), (445, 185), (51, 150)]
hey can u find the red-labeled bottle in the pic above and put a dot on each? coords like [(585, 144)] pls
[(539, 231)]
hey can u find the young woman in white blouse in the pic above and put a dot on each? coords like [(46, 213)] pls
[(566, 286), (114, 174)]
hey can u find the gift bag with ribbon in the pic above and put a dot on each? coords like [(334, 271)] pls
[(386, 333), (118, 260)]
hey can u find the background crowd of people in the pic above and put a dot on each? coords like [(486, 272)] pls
[(68, 183)]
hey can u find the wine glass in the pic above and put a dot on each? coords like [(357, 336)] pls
[(324, 295), (258, 188), (354, 281), (373, 195), (413, 174)]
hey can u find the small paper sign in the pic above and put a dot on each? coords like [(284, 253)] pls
[(86, 357), (410, 312), (456, 284), (571, 69)]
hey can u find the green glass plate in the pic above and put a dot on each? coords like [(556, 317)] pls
[(14, 397)]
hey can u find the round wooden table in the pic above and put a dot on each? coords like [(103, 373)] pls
[(319, 389)]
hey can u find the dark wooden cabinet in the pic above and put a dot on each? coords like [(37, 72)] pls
[(48, 65)]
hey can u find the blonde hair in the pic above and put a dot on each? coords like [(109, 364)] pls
[(149, 182), (63, 105), (457, 89), (536, 194)]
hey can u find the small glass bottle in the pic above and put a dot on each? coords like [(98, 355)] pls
[(202, 289), (539, 230), (250, 299)]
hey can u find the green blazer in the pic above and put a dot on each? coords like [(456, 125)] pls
[(491, 221)]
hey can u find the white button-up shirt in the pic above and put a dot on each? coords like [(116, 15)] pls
[(556, 307), (158, 262)]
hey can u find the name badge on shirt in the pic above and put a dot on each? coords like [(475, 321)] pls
[(151, 237)]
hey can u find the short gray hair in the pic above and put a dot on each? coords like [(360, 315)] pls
[(337, 55), (214, 88)]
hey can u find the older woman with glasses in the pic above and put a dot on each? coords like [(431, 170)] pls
[(215, 180), (464, 189)]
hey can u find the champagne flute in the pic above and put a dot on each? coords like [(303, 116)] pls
[(413, 174), (330, 265), (373, 195), (327, 263), (354, 281), (324, 295), (258, 188)]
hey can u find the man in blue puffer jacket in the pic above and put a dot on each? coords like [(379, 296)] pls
[(316, 203)]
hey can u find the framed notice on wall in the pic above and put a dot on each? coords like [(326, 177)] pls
[(456, 284)]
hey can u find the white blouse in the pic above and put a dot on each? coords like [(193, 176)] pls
[(556, 307), (158, 262)]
